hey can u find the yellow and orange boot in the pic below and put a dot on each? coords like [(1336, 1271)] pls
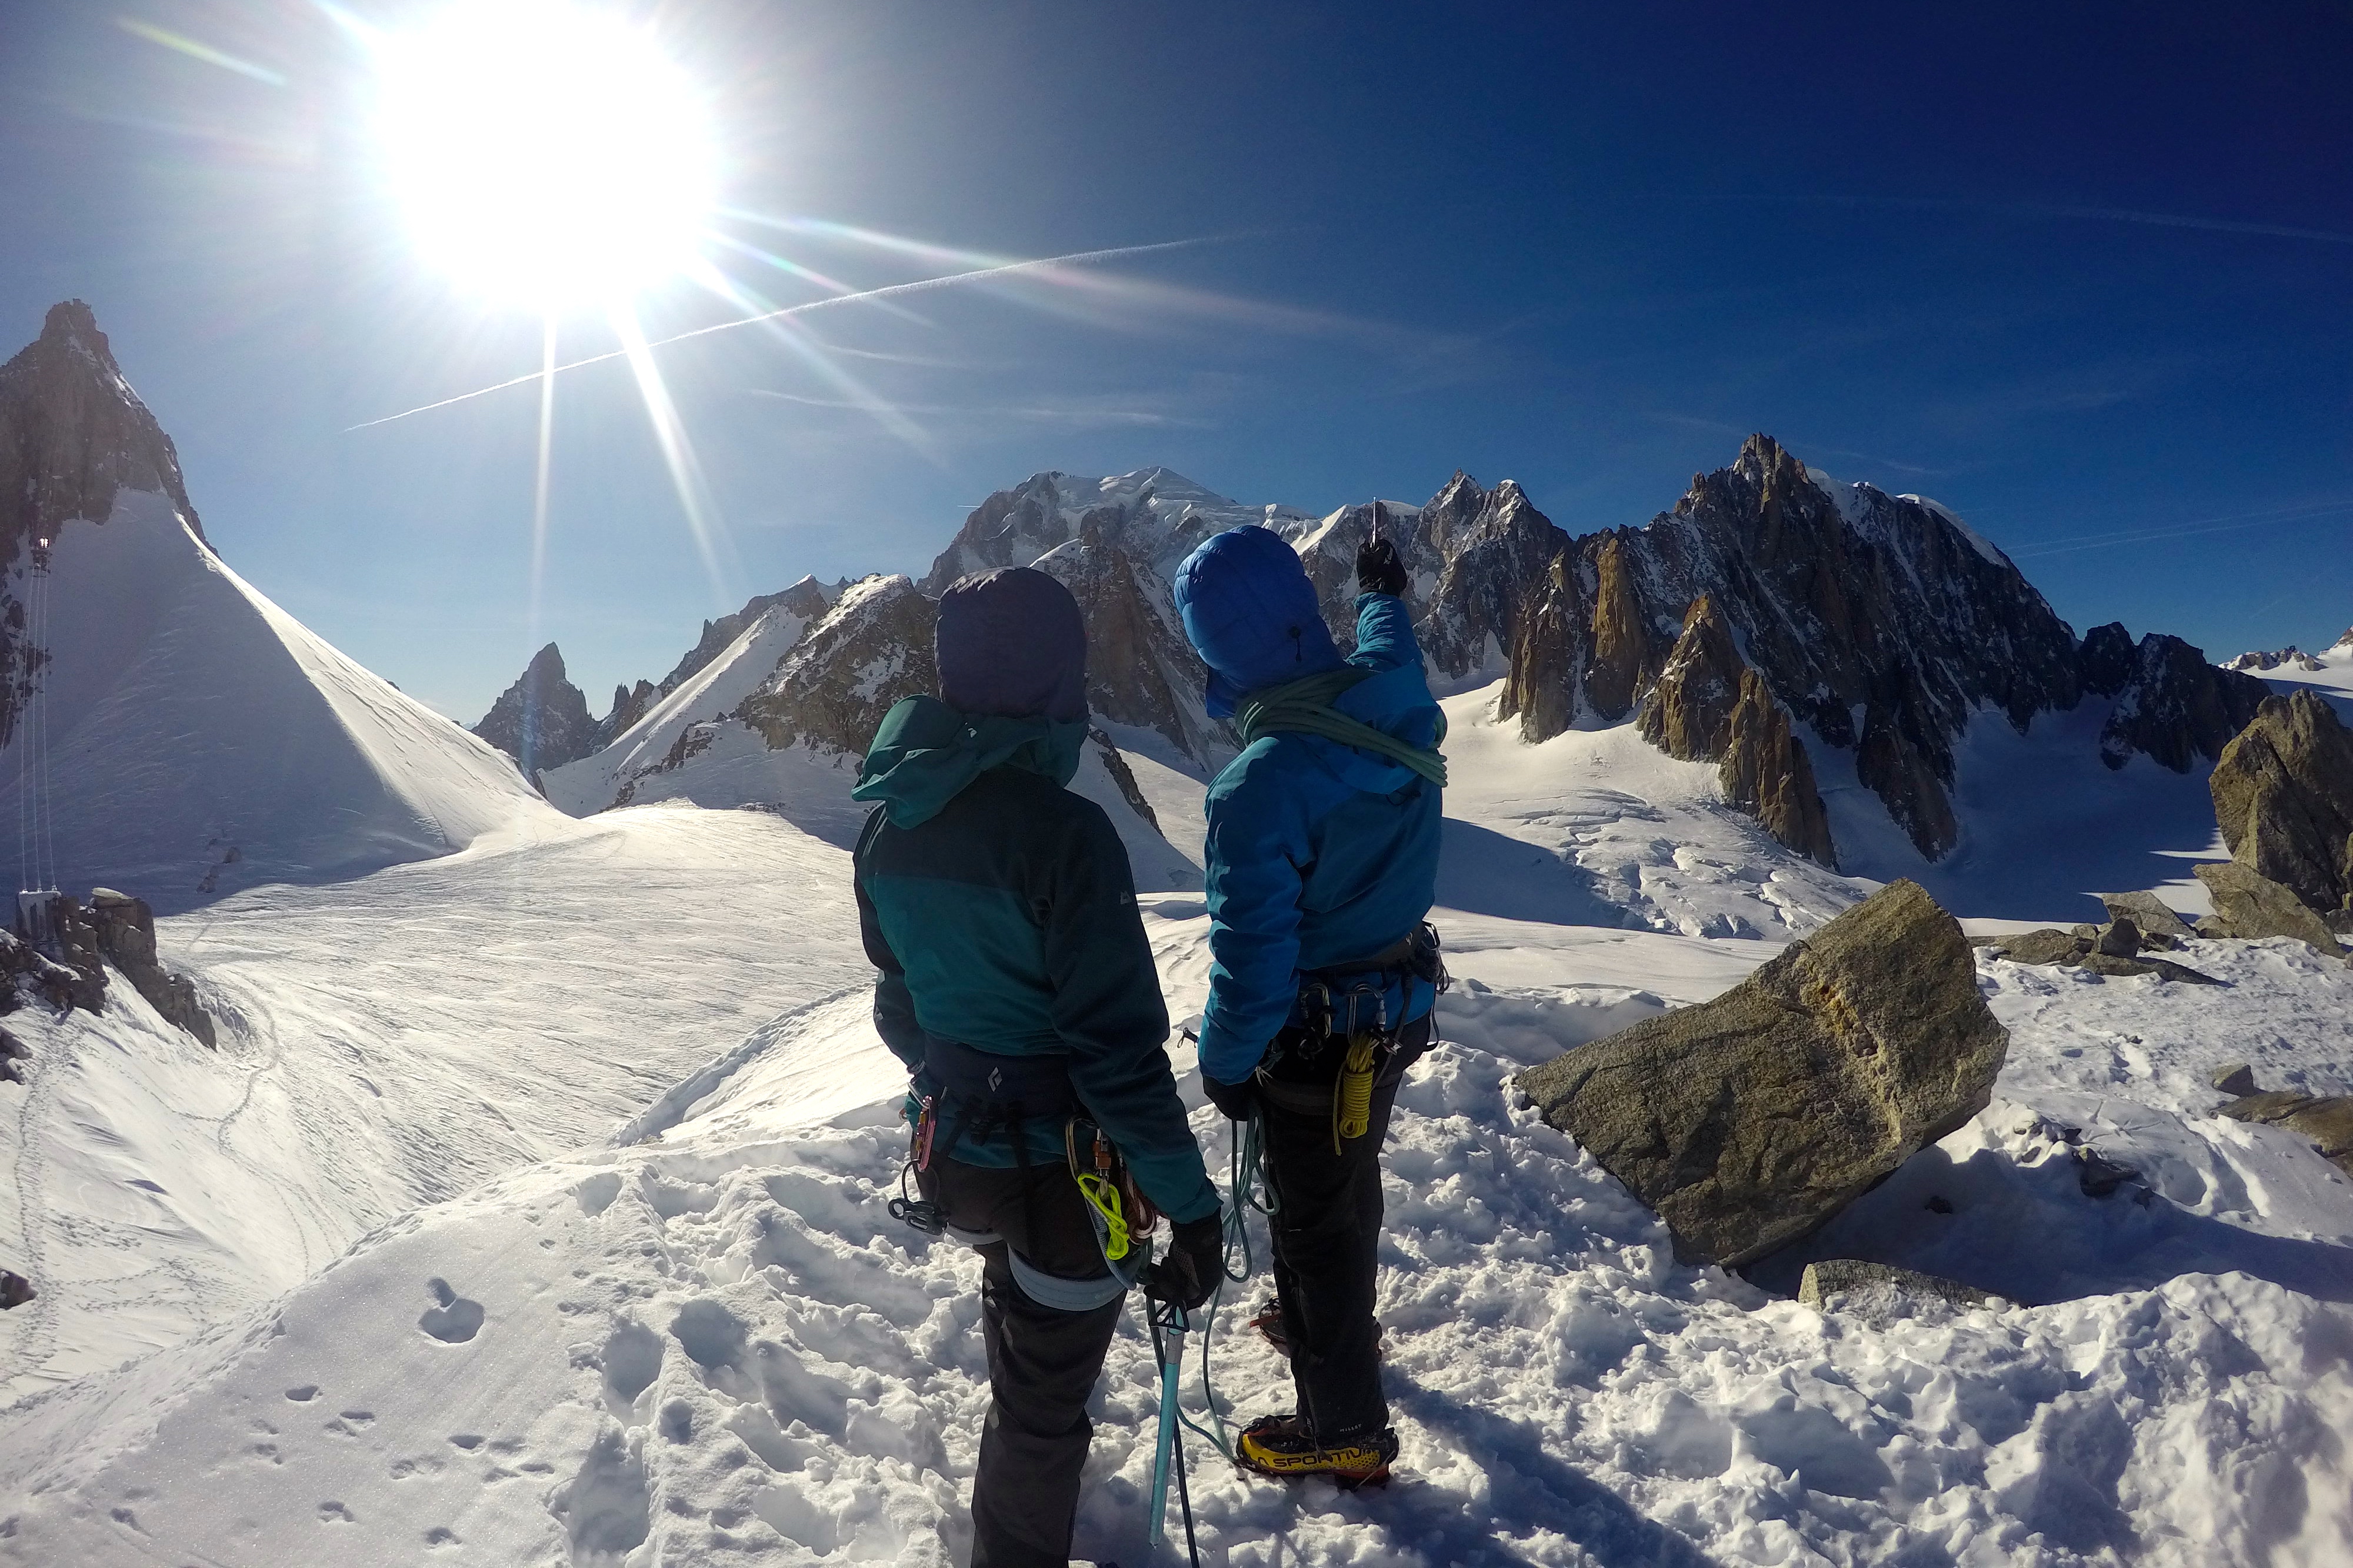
[(1284, 1448)]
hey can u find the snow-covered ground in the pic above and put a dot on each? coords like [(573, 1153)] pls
[(706, 1341), (385, 1042), (201, 739)]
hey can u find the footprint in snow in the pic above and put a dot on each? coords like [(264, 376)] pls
[(456, 1319), (332, 1512)]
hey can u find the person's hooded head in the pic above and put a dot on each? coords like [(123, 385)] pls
[(1012, 645), (1011, 650), (1252, 614)]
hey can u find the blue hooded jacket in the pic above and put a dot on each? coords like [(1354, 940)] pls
[(1318, 854)]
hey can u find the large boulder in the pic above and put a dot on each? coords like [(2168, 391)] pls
[(1749, 1121), (2152, 914), (2249, 905), (2284, 798), (125, 932)]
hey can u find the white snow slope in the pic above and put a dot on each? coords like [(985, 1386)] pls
[(708, 1343), (201, 739), (385, 1042)]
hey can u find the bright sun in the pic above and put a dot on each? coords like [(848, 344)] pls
[(544, 155)]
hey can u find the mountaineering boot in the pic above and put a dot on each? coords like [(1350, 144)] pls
[(1282, 1446)]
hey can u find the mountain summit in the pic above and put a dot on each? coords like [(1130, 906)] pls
[(193, 737)]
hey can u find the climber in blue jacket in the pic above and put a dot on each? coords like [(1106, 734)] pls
[(1322, 861)]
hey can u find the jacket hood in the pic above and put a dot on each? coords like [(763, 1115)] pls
[(925, 752), (1011, 643), (1251, 613)]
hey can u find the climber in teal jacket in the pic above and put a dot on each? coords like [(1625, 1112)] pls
[(1015, 981), (1322, 861)]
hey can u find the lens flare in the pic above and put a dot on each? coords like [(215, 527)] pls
[(545, 155)]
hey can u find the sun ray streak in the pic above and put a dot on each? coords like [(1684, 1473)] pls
[(677, 454), (890, 291), (181, 43), (539, 488), (793, 336)]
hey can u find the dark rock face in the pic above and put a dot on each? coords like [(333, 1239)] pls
[(72, 435), (2284, 797), (542, 720), (807, 598), (2249, 905), (1749, 1121), (872, 649), (2177, 707), (14, 1290), (2107, 660), (1495, 549), (1139, 665), (12, 1056), (124, 928), (1766, 774), (1122, 775)]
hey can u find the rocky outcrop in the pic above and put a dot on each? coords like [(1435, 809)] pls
[(124, 931), (13, 1057), (1122, 777), (874, 647), (1845, 600), (2327, 1122), (1749, 1121), (2118, 949), (1766, 774), (807, 598), (1495, 550), (51, 956), (1874, 1289), (1689, 712), (2178, 708), (542, 720), (2284, 798), (14, 1290), (2250, 905), (2150, 914), (629, 705)]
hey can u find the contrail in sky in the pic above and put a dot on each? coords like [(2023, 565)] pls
[(1077, 258)]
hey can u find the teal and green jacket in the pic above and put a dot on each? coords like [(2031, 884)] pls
[(1000, 910)]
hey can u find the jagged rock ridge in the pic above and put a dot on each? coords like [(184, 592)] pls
[(542, 720)]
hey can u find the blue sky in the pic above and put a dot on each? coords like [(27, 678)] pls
[(2079, 271)]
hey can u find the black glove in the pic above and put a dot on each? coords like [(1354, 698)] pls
[(1238, 1101), (1378, 570), (1196, 1262)]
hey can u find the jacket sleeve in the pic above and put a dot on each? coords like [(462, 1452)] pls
[(1109, 1012), (1258, 851), (1385, 638), (894, 1004)]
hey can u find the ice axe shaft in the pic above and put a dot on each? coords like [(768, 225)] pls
[(1172, 1357)]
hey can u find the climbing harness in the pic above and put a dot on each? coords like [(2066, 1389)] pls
[(923, 1212)]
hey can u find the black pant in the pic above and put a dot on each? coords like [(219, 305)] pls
[(1042, 1364), (1328, 1230)]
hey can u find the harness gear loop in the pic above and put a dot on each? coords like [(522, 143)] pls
[(1101, 1191)]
